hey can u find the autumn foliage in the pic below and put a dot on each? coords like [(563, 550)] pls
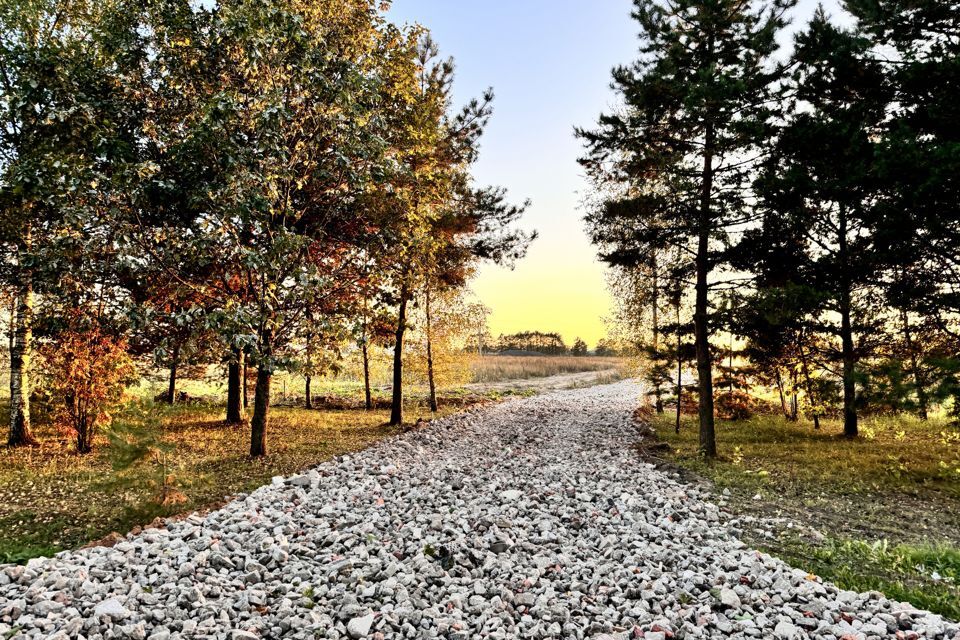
[(86, 371)]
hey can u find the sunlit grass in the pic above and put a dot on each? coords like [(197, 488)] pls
[(894, 452), (52, 498), (498, 368), (927, 576)]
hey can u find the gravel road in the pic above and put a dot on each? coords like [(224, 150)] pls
[(532, 518)]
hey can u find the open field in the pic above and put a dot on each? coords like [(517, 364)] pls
[(497, 368), (878, 513)]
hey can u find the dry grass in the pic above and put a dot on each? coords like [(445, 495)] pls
[(52, 498), (497, 368)]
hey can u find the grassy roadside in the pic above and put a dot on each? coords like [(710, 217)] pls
[(53, 499), (878, 513), (187, 459)]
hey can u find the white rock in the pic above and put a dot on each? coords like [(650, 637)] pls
[(360, 627), (112, 608), (729, 598)]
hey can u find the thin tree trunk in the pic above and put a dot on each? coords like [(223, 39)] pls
[(308, 402), (679, 367), (708, 441), (21, 354), (810, 393), (235, 382), (783, 399), (850, 429), (730, 363), (430, 379), (658, 392), (261, 401), (918, 378), (396, 405), (172, 384), (368, 400), (244, 386), (795, 399)]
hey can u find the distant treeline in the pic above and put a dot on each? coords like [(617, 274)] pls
[(549, 343)]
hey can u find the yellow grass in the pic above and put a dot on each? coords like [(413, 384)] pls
[(497, 368), (52, 498)]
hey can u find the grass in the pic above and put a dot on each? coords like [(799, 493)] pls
[(53, 499), (497, 368), (881, 512), (927, 576)]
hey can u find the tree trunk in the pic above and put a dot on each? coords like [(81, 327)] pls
[(396, 405), (244, 384), (810, 393), (657, 392), (367, 399), (708, 441), (783, 398), (919, 379), (432, 383), (20, 360), (172, 385), (261, 406), (308, 401), (730, 361), (795, 400), (679, 367), (235, 382), (850, 429)]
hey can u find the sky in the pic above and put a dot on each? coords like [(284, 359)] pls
[(549, 64)]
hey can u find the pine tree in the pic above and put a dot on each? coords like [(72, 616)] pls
[(822, 177), (681, 150)]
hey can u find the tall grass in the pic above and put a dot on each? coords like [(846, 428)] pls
[(497, 368)]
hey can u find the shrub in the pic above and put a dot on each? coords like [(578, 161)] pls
[(86, 371), (734, 405)]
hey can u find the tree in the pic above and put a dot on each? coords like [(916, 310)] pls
[(579, 348), (65, 139), (682, 148), (822, 175), (87, 368), (917, 45), (274, 219), (445, 222)]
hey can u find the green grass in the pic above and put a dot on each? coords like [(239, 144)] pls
[(884, 508), (926, 576), (52, 498), (894, 453)]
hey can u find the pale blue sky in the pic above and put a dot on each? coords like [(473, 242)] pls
[(549, 63)]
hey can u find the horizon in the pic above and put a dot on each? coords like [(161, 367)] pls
[(560, 286)]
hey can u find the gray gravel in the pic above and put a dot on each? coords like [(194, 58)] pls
[(528, 519)]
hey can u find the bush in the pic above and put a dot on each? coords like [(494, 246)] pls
[(86, 371), (734, 405)]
